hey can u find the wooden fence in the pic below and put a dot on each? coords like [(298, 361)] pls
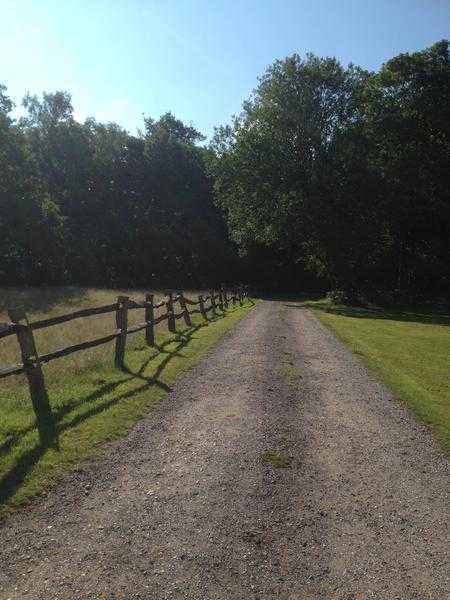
[(20, 326)]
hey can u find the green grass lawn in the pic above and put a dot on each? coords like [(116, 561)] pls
[(408, 350), (93, 404)]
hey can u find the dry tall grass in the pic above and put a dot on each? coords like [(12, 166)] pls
[(51, 301)]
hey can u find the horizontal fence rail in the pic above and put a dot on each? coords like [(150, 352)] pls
[(78, 314), (20, 326)]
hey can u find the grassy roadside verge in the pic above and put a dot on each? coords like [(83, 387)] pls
[(94, 405), (408, 350)]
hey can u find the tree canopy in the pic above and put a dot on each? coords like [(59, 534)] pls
[(89, 203), (345, 172)]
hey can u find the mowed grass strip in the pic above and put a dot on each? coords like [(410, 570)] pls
[(408, 350), (93, 402)]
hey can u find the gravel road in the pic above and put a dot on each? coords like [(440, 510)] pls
[(188, 506)]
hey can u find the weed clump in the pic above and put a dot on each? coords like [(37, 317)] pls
[(279, 460)]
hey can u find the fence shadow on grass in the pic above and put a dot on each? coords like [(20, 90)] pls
[(11, 481)]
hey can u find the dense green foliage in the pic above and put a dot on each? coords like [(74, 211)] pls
[(90, 203), (330, 176), (346, 172)]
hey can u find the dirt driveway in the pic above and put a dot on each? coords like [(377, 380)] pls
[(190, 504)]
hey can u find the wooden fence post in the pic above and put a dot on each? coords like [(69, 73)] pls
[(39, 398), (170, 316), (220, 299), (184, 308), (122, 325), (213, 302), (202, 306), (149, 318)]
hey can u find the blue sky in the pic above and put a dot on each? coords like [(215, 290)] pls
[(198, 58)]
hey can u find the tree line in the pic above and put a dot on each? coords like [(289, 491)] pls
[(90, 204), (330, 177)]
